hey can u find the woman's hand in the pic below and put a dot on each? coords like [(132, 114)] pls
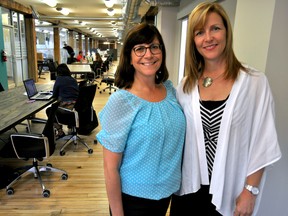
[(245, 203)]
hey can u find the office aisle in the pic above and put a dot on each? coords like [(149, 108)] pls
[(83, 194)]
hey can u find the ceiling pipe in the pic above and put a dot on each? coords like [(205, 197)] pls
[(131, 13), (80, 18)]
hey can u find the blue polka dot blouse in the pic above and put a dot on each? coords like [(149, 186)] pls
[(150, 135)]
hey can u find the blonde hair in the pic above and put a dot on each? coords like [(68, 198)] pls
[(194, 62)]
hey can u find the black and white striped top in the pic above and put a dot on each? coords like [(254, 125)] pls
[(211, 115)]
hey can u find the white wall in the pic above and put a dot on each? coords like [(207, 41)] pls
[(167, 24), (252, 30), (260, 34), (275, 200)]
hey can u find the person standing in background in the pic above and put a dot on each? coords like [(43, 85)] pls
[(71, 53), (143, 129), (231, 137)]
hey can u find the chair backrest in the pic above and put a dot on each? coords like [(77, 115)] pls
[(87, 116), (84, 116), (36, 145), (1, 88), (82, 83), (85, 97), (82, 105), (52, 66), (96, 65)]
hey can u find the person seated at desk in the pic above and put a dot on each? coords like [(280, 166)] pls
[(98, 58), (97, 64), (81, 57), (65, 90)]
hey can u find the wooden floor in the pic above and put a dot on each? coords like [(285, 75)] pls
[(83, 194)]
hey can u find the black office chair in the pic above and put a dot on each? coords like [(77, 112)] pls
[(1, 87), (52, 65), (40, 65), (97, 69), (81, 120), (37, 147)]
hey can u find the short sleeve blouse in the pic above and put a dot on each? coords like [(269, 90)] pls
[(151, 136)]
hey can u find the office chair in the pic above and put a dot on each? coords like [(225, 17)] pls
[(81, 119), (109, 79), (40, 65), (97, 69), (52, 65), (37, 147), (1, 87)]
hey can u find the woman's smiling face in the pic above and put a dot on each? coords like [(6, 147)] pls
[(148, 64), (210, 40)]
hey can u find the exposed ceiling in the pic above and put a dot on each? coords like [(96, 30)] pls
[(93, 14)]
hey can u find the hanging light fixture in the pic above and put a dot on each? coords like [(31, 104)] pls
[(109, 3), (110, 11), (51, 3), (64, 11)]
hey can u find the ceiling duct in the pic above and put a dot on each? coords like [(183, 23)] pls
[(171, 3), (35, 14), (131, 17)]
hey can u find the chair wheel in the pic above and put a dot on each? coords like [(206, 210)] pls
[(100, 92), (64, 176), (62, 153), (103, 90), (46, 193), (109, 93), (90, 151), (95, 141), (49, 165), (10, 191)]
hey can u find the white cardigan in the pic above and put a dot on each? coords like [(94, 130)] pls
[(247, 140)]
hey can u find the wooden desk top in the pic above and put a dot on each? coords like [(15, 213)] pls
[(79, 68), (15, 106)]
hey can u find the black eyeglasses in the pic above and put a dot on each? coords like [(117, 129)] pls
[(140, 51)]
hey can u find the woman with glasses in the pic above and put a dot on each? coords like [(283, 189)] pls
[(143, 129)]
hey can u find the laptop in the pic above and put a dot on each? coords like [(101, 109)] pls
[(33, 93)]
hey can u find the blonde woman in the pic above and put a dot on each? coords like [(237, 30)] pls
[(231, 136)]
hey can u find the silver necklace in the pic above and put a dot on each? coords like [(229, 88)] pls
[(208, 81)]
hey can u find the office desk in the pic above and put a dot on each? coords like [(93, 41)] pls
[(81, 69), (15, 108)]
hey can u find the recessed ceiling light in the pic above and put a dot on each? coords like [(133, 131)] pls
[(110, 11), (51, 3), (109, 3), (64, 11)]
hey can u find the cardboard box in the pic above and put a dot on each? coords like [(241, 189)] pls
[(40, 57)]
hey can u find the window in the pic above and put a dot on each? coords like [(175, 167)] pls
[(182, 49)]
